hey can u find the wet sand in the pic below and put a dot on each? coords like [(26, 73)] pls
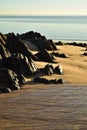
[(48, 107)]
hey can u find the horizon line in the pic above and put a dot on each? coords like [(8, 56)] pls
[(42, 15)]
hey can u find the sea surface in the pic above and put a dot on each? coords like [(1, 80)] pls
[(53, 27)]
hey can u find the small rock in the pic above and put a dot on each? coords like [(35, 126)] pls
[(61, 81), (5, 90), (58, 69), (48, 69)]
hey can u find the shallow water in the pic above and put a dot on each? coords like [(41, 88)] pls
[(44, 108)]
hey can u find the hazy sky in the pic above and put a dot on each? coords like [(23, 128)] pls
[(44, 7)]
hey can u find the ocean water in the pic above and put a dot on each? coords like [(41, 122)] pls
[(53, 27)]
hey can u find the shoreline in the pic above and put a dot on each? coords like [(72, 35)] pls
[(70, 41)]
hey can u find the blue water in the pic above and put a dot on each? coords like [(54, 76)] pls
[(53, 27)]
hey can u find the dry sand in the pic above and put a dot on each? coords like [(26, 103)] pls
[(75, 67), (50, 107)]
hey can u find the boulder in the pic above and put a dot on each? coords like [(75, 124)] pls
[(48, 69), (57, 81), (5, 90), (9, 79), (61, 81), (85, 53), (58, 69), (43, 55), (59, 43), (41, 80)]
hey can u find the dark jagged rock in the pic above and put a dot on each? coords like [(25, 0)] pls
[(13, 80), (1, 63), (62, 55), (5, 90), (58, 69), (57, 81), (48, 69), (2, 39), (46, 81), (9, 79), (40, 41), (77, 44), (17, 61), (59, 43), (22, 79), (43, 55), (41, 80), (53, 81), (85, 53), (61, 81), (20, 64), (4, 52), (52, 45), (16, 45)]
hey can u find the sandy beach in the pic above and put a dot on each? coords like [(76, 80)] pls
[(50, 107)]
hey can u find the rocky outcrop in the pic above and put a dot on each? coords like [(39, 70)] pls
[(16, 45), (20, 64), (13, 71), (77, 44), (40, 41), (16, 62)]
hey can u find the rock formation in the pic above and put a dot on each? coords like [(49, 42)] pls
[(17, 60), (40, 41)]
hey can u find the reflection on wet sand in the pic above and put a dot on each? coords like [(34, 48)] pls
[(48, 107)]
